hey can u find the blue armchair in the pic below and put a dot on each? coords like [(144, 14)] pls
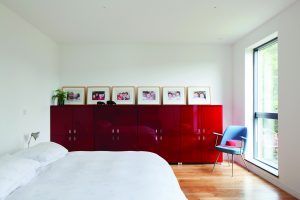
[(236, 135)]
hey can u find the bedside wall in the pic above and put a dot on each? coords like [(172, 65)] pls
[(28, 74)]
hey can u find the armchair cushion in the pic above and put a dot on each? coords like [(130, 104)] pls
[(234, 143), (228, 149)]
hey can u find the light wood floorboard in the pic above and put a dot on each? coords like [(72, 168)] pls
[(197, 182)]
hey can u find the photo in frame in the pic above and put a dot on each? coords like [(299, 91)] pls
[(123, 95), (75, 95), (174, 96), (98, 94), (199, 95), (148, 95)]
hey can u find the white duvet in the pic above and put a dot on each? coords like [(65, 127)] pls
[(103, 176)]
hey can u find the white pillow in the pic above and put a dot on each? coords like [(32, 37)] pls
[(15, 172), (45, 152)]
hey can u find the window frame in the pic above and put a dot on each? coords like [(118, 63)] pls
[(260, 115)]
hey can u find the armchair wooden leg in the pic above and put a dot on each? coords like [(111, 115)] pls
[(215, 162), (232, 165)]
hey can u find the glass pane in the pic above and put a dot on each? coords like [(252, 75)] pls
[(267, 141), (267, 79)]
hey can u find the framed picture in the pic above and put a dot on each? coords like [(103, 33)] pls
[(123, 95), (75, 95), (148, 95), (174, 96), (199, 95), (98, 93)]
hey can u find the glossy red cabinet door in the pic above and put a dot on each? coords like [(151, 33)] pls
[(104, 125), (115, 128), (72, 127), (148, 128), (83, 128), (158, 130), (197, 141), (169, 133), (211, 121), (125, 127), (61, 125), (190, 135)]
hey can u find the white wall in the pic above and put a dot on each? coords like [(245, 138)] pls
[(28, 73), (151, 65), (287, 25)]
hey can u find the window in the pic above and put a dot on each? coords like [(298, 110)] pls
[(266, 103)]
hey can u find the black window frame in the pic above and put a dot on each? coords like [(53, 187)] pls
[(259, 115)]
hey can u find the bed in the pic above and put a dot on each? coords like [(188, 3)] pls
[(102, 175)]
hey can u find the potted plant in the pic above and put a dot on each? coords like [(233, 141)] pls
[(61, 96)]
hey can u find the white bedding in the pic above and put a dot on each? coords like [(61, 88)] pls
[(103, 176)]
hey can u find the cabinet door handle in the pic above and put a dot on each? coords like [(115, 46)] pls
[(113, 130), (203, 130), (74, 131), (156, 137), (118, 131), (70, 131), (74, 138), (155, 130), (160, 137), (203, 137), (199, 138), (70, 138)]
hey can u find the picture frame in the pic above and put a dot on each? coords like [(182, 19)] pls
[(199, 95), (97, 94), (123, 95), (75, 95), (174, 96), (148, 95)]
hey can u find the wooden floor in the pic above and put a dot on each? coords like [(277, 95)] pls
[(197, 182)]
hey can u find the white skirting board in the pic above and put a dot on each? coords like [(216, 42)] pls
[(267, 176)]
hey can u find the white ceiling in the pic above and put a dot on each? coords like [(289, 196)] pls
[(143, 21)]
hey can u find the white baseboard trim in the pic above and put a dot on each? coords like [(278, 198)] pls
[(268, 177)]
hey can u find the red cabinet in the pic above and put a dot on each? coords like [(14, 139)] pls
[(178, 133), (196, 126), (212, 121), (72, 127), (158, 130), (191, 138), (115, 128), (148, 128)]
